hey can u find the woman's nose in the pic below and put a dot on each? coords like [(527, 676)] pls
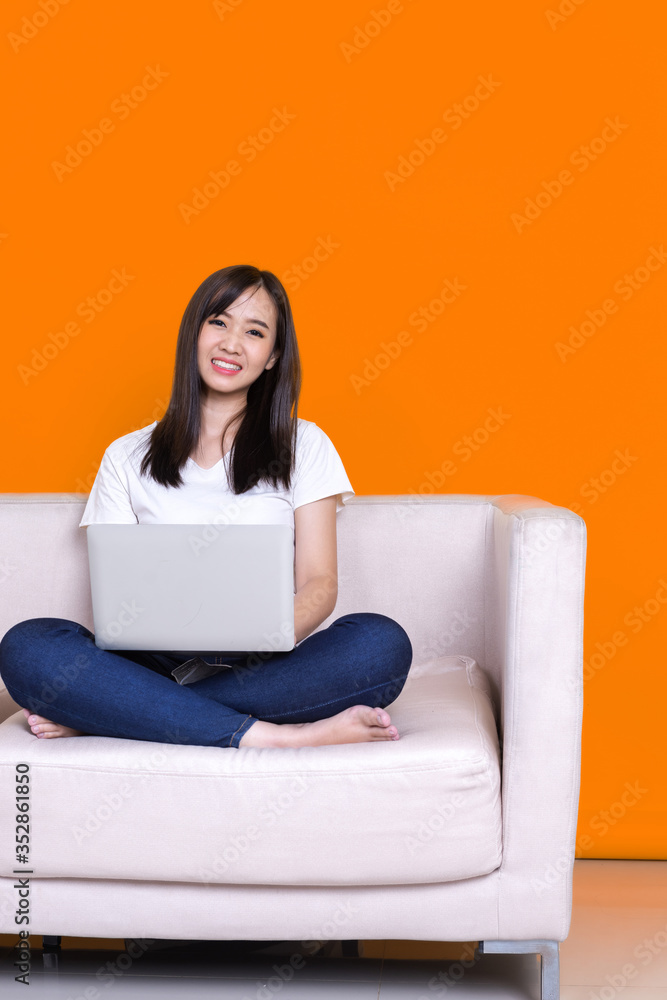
[(229, 343)]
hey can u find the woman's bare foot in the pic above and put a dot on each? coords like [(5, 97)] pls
[(358, 724), (45, 729)]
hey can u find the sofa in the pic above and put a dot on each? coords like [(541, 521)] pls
[(461, 830)]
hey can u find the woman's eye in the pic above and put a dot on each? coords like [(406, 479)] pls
[(249, 331)]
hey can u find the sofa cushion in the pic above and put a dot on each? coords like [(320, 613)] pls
[(424, 808)]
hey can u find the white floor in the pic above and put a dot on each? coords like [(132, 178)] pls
[(617, 945)]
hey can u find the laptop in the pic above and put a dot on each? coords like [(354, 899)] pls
[(198, 589)]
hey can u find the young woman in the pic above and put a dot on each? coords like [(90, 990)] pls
[(228, 446)]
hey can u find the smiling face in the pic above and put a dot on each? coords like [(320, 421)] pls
[(244, 335)]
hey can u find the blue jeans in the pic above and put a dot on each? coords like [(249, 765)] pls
[(52, 667)]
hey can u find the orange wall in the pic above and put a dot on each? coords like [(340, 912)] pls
[(530, 137)]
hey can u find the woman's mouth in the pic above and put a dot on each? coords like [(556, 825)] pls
[(220, 366)]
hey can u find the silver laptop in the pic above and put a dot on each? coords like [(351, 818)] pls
[(192, 588)]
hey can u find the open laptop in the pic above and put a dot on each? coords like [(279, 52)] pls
[(192, 588)]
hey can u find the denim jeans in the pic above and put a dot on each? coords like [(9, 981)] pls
[(52, 667)]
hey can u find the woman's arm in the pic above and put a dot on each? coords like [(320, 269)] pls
[(316, 565)]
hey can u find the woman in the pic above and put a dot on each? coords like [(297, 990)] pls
[(227, 443)]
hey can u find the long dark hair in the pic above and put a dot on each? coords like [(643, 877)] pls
[(265, 442)]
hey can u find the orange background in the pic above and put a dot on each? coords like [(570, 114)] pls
[(220, 72)]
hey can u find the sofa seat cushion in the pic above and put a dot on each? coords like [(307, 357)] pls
[(423, 808)]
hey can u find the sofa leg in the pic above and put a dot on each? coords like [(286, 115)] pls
[(50, 951), (548, 951)]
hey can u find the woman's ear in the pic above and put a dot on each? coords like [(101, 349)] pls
[(272, 360)]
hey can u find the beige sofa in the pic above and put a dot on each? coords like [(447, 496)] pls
[(462, 830)]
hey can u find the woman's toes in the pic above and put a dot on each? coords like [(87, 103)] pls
[(381, 719), (391, 731), (44, 728)]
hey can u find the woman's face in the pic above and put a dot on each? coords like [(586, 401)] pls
[(245, 334)]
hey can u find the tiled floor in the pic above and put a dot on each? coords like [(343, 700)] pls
[(617, 945)]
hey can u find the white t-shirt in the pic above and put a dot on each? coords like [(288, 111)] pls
[(121, 495)]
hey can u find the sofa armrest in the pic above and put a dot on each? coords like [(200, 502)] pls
[(535, 598)]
